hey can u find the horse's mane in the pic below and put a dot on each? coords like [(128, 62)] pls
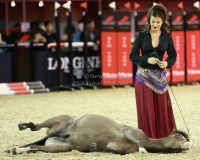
[(184, 134)]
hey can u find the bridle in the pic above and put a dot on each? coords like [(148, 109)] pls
[(182, 143)]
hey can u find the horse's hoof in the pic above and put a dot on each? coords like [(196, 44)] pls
[(93, 147), (142, 150), (14, 150), (7, 151), (22, 126)]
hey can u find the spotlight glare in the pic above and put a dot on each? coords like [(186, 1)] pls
[(13, 4), (41, 3)]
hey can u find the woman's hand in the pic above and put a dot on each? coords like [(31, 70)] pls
[(162, 64), (153, 60), (43, 39)]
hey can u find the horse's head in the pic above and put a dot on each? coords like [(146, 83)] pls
[(177, 141)]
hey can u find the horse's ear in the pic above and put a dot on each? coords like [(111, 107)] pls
[(174, 130)]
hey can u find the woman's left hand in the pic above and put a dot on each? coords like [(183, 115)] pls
[(162, 64)]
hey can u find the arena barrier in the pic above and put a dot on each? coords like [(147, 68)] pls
[(124, 65), (115, 48), (74, 44), (22, 88), (109, 48), (192, 46), (48, 59), (70, 68), (178, 35), (44, 64)]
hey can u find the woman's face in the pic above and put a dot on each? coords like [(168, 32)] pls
[(49, 27), (156, 23)]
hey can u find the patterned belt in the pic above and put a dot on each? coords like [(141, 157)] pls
[(154, 79)]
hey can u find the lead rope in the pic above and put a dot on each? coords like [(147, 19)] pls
[(177, 105), (174, 98)]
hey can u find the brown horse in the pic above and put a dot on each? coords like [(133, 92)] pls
[(98, 133)]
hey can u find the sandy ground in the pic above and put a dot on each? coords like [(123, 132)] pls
[(118, 104)]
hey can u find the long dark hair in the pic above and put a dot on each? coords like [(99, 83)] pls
[(159, 11)]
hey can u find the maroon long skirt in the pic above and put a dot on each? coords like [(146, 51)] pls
[(155, 114)]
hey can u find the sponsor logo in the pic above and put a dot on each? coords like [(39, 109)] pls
[(119, 75), (124, 21), (125, 75), (178, 73), (109, 20), (109, 75), (78, 65), (143, 21), (193, 20), (192, 71), (178, 20)]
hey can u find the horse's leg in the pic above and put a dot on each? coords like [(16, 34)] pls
[(128, 133), (46, 124), (94, 147), (52, 149), (53, 144), (40, 142), (35, 148)]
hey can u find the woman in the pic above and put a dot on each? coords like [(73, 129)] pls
[(154, 108)]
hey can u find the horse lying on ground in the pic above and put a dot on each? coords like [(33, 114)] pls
[(96, 133)]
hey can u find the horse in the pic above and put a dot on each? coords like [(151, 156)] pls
[(97, 133)]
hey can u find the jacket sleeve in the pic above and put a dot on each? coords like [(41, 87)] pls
[(171, 53), (135, 51)]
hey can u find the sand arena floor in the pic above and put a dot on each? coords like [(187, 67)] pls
[(118, 104)]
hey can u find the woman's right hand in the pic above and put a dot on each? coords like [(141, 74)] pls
[(153, 60)]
